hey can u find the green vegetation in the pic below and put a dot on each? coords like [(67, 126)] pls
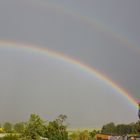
[(19, 127), (83, 135), (121, 129), (7, 127), (10, 137), (56, 130), (36, 128)]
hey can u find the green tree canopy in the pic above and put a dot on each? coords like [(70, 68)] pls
[(19, 127), (93, 133), (108, 128), (56, 130), (7, 127), (34, 128), (123, 129)]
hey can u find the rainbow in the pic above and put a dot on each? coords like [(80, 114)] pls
[(93, 23), (91, 70)]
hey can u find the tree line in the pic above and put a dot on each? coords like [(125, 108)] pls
[(36, 128), (121, 129)]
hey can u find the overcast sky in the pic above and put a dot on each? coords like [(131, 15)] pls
[(101, 33)]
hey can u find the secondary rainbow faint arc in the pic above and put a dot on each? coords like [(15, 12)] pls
[(85, 67), (94, 23)]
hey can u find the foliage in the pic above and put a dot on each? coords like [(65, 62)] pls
[(19, 127), (74, 136), (121, 129), (7, 127), (93, 133), (56, 130), (108, 128), (1, 130), (83, 135), (138, 127), (61, 119), (10, 137), (34, 127)]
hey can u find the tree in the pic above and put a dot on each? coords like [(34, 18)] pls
[(61, 119), (108, 128), (10, 137), (123, 129), (1, 129), (56, 130), (74, 136), (84, 135), (7, 127), (92, 134), (19, 127), (34, 128), (137, 127)]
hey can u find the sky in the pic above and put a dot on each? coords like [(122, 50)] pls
[(102, 34)]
